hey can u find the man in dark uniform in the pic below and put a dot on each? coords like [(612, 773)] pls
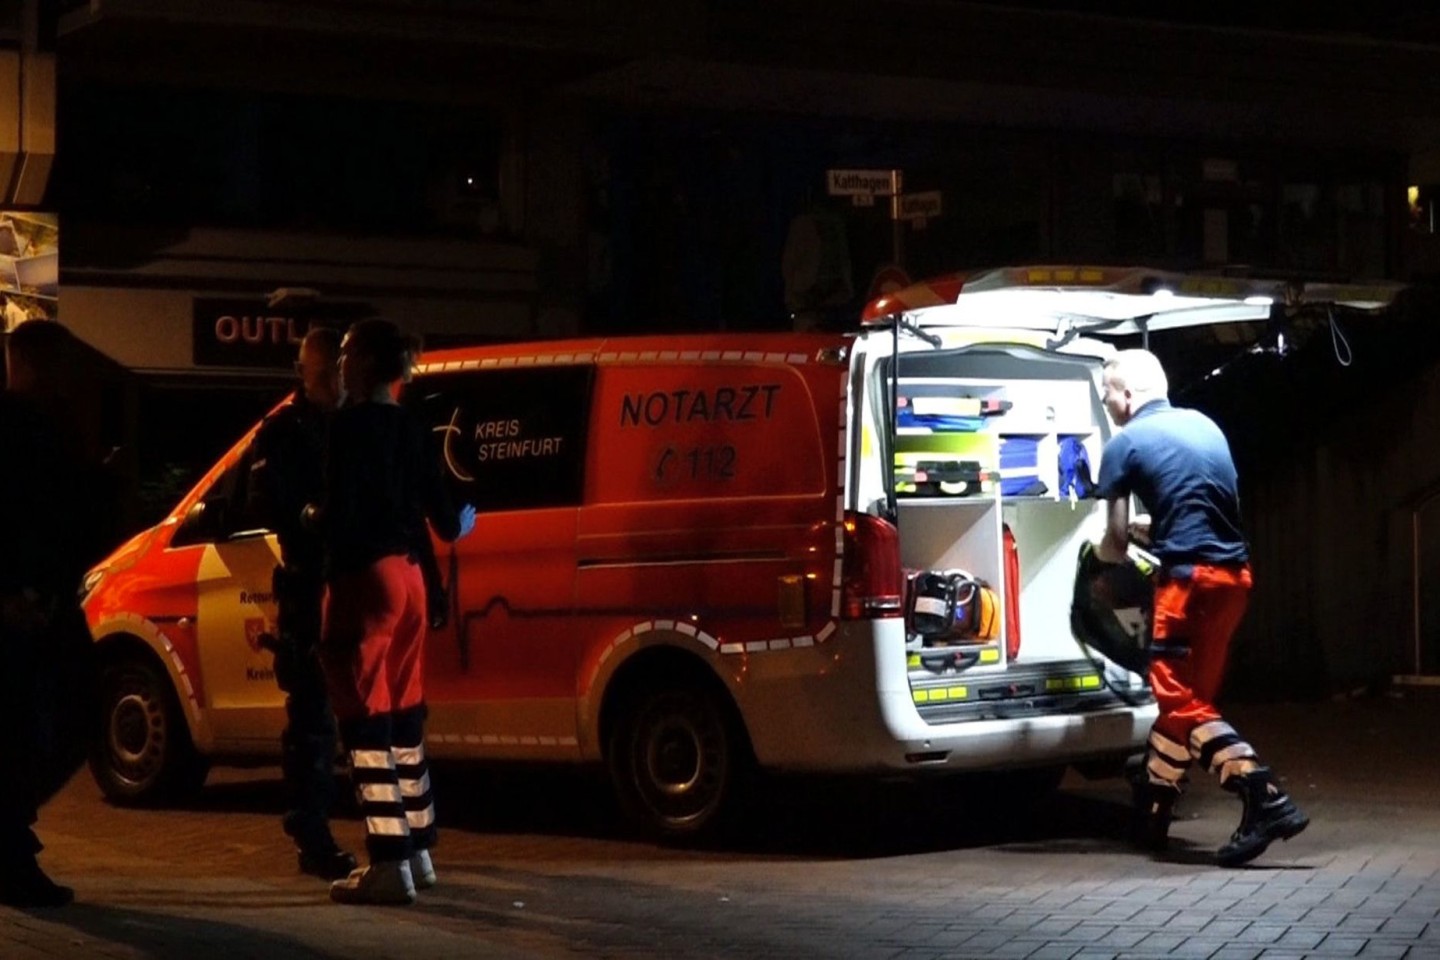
[(287, 472), (46, 648), (1178, 464)]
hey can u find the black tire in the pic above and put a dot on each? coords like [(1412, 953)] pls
[(143, 754), (676, 760)]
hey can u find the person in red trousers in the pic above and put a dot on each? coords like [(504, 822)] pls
[(1178, 464), (383, 482)]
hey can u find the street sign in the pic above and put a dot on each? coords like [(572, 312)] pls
[(918, 206), (862, 183)]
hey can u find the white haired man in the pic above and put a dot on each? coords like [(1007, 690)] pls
[(1178, 464)]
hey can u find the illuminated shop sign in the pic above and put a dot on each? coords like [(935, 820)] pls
[(247, 333)]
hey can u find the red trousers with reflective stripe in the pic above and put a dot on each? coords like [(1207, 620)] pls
[(1200, 612), (373, 641)]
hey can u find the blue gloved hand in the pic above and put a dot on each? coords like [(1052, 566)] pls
[(467, 521)]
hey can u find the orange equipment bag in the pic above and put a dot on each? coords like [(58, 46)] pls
[(1012, 596), (978, 619)]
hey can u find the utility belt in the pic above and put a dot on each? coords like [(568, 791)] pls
[(1185, 571)]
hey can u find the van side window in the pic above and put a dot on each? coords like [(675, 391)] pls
[(511, 439), (223, 511)]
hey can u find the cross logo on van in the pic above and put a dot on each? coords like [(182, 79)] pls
[(256, 633)]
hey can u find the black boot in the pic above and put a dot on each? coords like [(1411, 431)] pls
[(1269, 815), (24, 884), (1152, 808), (317, 852)]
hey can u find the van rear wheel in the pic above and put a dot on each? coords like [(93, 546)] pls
[(675, 760), (144, 754)]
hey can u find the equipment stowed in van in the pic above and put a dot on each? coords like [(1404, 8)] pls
[(952, 607)]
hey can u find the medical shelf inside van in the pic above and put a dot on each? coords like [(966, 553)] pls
[(952, 534)]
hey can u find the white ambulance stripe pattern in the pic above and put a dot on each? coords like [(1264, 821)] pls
[(137, 626), (648, 356), (710, 642), (490, 739)]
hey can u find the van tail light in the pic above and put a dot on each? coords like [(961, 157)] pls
[(872, 582)]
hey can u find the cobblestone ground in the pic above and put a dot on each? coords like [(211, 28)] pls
[(533, 866)]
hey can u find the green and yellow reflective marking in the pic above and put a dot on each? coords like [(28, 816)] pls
[(1088, 682), (940, 694)]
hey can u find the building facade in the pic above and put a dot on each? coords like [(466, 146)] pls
[(227, 173)]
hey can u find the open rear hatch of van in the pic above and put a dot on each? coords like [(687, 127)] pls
[(989, 527), (981, 432)]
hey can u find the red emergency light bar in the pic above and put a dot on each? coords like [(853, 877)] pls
[(945, 289), (1129, 282)]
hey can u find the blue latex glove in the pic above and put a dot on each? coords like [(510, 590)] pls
[(467, 521)]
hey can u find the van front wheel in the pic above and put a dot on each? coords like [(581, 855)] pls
[(674, 760), (144, 754)]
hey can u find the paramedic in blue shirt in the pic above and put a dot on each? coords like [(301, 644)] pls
[(1178, 464)]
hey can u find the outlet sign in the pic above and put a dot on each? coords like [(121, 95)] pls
[(246, 333)]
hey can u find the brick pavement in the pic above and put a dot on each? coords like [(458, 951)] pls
[(532, 868)]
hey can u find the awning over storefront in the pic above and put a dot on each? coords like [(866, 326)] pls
[(205, 301)]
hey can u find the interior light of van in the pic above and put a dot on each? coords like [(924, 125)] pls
[(872, 580), (1259, 301)]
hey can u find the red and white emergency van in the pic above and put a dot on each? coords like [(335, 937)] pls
[(696, 553)]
